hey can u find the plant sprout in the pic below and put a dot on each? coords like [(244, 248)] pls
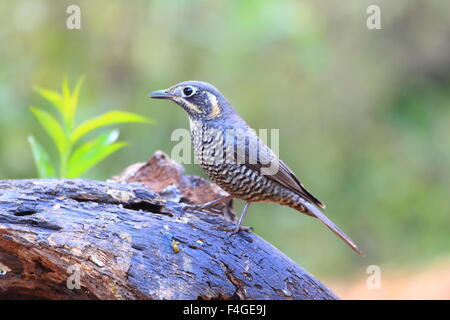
[(75, 157)]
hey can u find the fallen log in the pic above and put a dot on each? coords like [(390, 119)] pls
[(84, 239)]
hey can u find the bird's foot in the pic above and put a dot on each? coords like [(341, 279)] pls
[(202, 208), (210, 206), (236, 229)]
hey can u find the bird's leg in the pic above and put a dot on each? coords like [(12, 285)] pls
[(209, 206), (241, 218), (238, 226)]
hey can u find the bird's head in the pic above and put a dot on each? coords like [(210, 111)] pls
[(201, 100)]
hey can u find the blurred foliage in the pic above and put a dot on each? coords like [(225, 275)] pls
[(74, 162), (364, 115)]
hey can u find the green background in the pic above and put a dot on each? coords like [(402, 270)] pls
[(364, 115)]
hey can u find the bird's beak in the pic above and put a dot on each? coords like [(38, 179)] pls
[(160, 94)]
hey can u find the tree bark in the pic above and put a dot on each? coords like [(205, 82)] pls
[(123, 241)]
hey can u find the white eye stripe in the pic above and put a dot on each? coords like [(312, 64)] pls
[(188, 104), (215, 108)]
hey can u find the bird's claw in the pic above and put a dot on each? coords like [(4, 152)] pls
[(236, 229), (202, 208)]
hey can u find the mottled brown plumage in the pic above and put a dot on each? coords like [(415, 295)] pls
[(236, 158)]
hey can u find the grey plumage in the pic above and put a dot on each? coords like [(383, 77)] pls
[(236, 158)]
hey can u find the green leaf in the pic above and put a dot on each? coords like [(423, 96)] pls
[(54, 97), (53, 128), (112, 117), (65, 88), (41, 159), (71, 100), (92, 152)]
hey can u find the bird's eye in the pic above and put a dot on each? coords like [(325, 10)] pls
[(188, 91)]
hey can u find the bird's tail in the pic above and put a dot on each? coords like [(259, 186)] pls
[(312, 210)]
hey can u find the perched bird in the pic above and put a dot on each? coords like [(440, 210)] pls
[(236, 159)]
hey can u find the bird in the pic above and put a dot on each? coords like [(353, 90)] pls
[(236, 159)]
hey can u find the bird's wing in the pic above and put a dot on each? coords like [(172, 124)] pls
[(265, 158)]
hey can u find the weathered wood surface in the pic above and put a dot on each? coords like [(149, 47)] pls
[(132, 243)]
